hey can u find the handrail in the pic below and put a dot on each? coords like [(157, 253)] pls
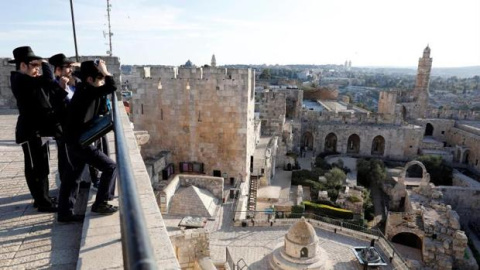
[(136, 246)]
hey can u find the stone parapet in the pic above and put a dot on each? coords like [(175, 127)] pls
[(101, 246)]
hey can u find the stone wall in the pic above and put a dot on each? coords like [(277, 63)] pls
[(7, 100), (156, 164), (199, 115), (401, 142), (387, 102), (272, 112), (440, 127), (464, 200), (191, 246), (322, 93), (213, 184), (457, 136)]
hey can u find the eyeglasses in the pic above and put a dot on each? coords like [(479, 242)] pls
[(100, 77), (34, 64)]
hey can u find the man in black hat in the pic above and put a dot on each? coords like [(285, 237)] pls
[(84, 107), (63, 71), (35, 93)]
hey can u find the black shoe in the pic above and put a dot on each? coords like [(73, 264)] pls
[(104, 209), (72, 218), (53, 200), (48, 209)]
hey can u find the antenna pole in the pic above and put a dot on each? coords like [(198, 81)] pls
[(110, 34)]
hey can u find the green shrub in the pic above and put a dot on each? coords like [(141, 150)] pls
[(353, 199), (322, 209), (298, 209)]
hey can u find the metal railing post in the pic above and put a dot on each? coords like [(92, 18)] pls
[(136, 246)]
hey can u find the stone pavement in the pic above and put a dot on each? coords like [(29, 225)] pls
[(29, 239)]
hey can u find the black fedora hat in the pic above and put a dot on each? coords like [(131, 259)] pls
[(24, 54), (89, 69), (59, 60)]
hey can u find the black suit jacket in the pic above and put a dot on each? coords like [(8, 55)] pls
[(86, 105), (35, 96)]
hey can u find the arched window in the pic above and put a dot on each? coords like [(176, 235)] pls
[(428, 130), (331, 143), (378, 146), (304, 253), (353, 144)]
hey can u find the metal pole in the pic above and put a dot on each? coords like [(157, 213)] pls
[(74, 33), (109, 29)]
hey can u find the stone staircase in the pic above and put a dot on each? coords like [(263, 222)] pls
[(252, 194)]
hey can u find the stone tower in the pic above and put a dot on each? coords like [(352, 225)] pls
[(204, 117), (387, 102), (420, 93), (214, 61)]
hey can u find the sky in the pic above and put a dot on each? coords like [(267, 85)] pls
[(170, 32)]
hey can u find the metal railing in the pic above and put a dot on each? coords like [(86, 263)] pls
[(136, 246)]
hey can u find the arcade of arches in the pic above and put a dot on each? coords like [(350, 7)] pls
[(353, 143)]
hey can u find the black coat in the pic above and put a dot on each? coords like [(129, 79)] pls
[(36, 100), (87, 104)]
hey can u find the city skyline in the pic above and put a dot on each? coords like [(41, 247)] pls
[(368, 33)]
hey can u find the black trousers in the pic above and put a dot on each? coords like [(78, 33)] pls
[(78, 157), (101, 144), (36, 170)]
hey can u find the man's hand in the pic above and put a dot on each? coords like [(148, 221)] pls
[(103, 68), (63, 82)]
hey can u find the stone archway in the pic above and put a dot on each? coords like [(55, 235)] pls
[(428, 130), (307, 140), (331, 143), (353, 144), (378, 146), (425, 175), (408, 239)]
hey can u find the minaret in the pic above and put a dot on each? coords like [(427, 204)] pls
[(214, 61), (422, 83)]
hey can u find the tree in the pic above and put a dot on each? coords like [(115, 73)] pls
[(370, 171), (440, 172), (335, 177), (265, 75)]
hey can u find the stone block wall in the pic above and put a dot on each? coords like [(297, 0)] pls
[(210, 183), (156, 164), (7, 100), (190, 246), (458, 136), (400, 142), (213, 184), (464, 200), (440, 127), (203, 115), (387, 102), (272, 112)]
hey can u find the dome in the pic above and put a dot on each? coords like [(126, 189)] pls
[(302, 233)]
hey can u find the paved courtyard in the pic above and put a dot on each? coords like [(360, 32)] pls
[(29, 239)]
